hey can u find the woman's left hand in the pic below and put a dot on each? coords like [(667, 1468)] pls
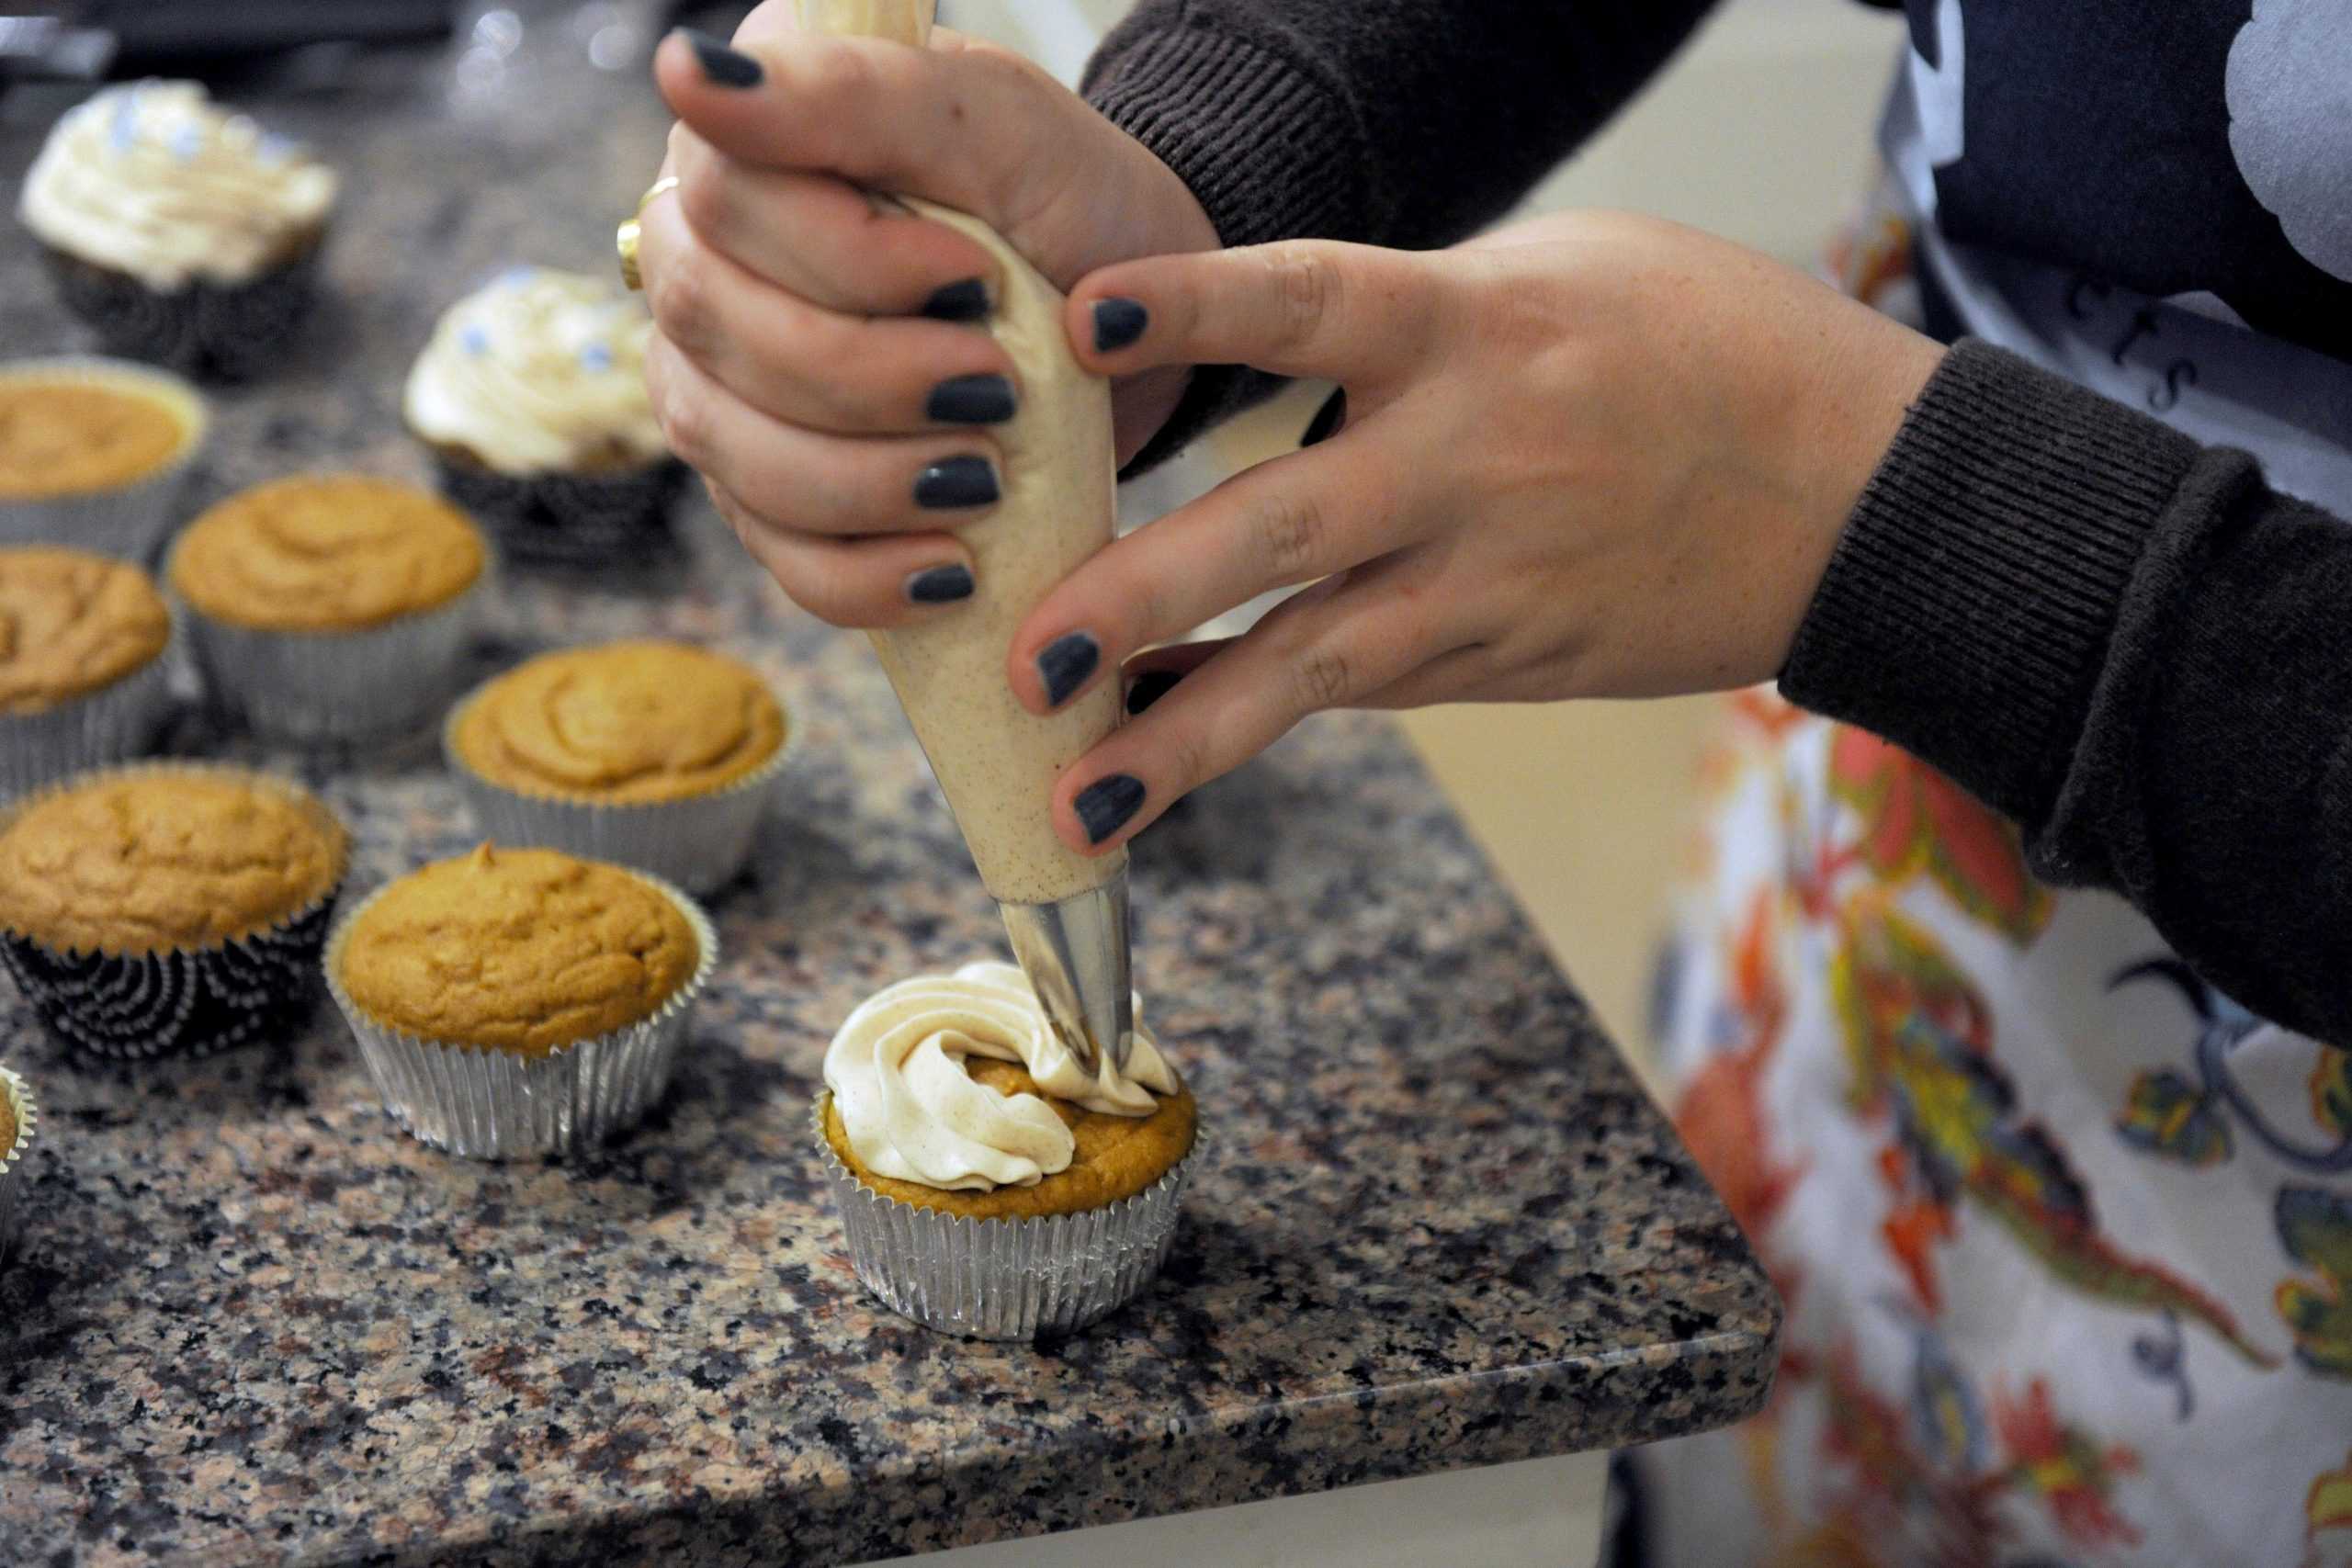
[(1592, 456)]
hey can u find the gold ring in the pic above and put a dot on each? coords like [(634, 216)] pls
[(625, 237)]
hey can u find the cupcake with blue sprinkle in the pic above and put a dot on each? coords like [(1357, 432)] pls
[(531, 395), (185, 234)]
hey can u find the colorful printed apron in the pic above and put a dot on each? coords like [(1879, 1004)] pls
[(2065, 1237)]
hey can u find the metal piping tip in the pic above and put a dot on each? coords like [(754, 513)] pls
[(1075, 952)]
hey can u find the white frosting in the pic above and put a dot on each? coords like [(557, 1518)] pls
[(914, 1114), (154, 181), (541, 371)]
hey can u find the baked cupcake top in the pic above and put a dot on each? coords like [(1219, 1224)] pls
[(154, 858), (326, 553), (70, 427), (956, 1083), (151, 179), (626, 723), (540, 372), (523, 951), (72, 622)]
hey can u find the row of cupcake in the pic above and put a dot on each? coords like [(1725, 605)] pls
[(509, 1001), (530, 397)]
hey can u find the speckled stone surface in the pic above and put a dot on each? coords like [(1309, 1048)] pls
[(250, 1321)]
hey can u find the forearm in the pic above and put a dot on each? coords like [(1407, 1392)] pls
[(2128, 643), (1408, 123)]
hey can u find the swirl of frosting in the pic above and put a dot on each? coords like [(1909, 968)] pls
[(540, 372), (154, 181), (912, 1112)]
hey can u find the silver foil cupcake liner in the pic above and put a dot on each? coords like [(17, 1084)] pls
[(231, 330), (701, 843), (126, 522), (110, 724), (189, 1002), (315, 688), (578, 522), (13, 1178), (492, 1104), (1005, 1278)]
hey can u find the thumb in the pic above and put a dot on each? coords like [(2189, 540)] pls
[(954, 123), (1353, 314)]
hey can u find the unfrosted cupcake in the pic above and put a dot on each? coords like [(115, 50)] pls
[(92, 452), (531, 395), (659, 755), (18, 1120), (330, 607), (987, 1184), (82, 673), (185, 234), (169, 908), (514, 1002)]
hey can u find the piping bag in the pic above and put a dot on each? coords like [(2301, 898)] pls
[(996, 761)]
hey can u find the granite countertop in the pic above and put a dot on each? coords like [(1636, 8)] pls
[(250, 1320)]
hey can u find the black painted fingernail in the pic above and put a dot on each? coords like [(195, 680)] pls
[(1148, 688), (956, 482), (725, 66), (1108, 804), (971, 400), (940, 584), (964, 301), (1118, 324), (1327, 421), (1066, 664)]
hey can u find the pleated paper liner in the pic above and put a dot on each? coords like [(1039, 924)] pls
[(252, 990), (112, 724), (700, 842), (128, 521), (1005, 1278), (485, 1104), (233, 331), (13, 1176), (316, 688), (585, 523)]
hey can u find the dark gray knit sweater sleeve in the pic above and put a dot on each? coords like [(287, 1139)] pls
[(2130, 644), (1408, 123)]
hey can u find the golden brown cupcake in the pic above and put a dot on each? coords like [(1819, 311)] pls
[(18, 1120), (81, 676), (331, 606), (167, 907), (988, 1184), (519, 1001), (93, 451), (658, 755)]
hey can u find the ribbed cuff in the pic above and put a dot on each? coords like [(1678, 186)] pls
[(1969, 603), (1269, 151)]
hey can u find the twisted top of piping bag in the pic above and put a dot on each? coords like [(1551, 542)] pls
[(900, 21)]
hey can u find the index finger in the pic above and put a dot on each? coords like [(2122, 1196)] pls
[(1310, 308)]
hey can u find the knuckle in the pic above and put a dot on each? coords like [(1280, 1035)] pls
[(685, 419), (1188, 760), (703, 199), (1325, 678), (679, 296), (1290, 530), (1309, 284)]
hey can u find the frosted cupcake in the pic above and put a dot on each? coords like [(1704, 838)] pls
[(332, 606), (531, 395), (518, 1002), (82, 673), (659, 755), (92, 452), (989, 1186), (185, 234), (19, 1119), (169, 908)]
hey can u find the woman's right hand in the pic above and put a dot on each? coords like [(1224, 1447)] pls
[(816, 356)]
